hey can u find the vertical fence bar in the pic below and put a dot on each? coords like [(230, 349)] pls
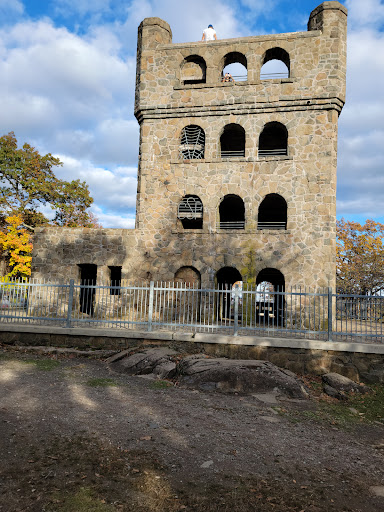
[(70, 302), (330, 319), (236, 313), (150, 306)]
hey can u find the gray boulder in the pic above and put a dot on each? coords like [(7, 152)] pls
[(343, 384), (156, 361), (244, 376)]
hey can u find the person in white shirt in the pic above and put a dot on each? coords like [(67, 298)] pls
[(209, 34)]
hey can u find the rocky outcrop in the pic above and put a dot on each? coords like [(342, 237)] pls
[(156, 361), (210, 374), (244, 376)]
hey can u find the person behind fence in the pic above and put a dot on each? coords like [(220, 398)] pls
[(228, 78), (209, 34)]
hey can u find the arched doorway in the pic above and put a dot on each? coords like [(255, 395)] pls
[(226, 277), (270, 303), (187, 296)]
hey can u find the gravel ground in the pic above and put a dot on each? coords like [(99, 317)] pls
[(71, 429)]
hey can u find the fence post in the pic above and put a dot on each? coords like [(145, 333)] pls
[(330, 314), (70, 302), (150, 308), (236, 313)]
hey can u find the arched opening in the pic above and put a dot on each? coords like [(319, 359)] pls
[(226, 277), (276, 64), (273, 140), (232, 141), (232, 212), (272, 213), (186, 303), (188, 276), (192, 143), (235, 63), (194, 70), (270, 303), (190, 212)]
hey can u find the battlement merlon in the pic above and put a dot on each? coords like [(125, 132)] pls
[(317, 68)]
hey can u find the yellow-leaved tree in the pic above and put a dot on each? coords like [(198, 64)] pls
[(15, 241), (360, 257)]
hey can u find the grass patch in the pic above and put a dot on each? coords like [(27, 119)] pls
[(161, 384), (104, 383), (84, 500), (366, 409), (46, 365), (370, 405)]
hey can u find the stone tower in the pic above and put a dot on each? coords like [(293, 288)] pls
[(237, 180)]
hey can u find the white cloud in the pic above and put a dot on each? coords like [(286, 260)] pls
[(11, 6), (108, 220), (364, 13), (55, 82), (361, 136), (113, 191)]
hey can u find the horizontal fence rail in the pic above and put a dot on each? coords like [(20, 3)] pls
[(238, 310)]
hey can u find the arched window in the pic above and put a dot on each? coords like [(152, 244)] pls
[(192, 143), (190, 212), (273, 140), (270, 303), (232, 141), (272, 213), (235, 64), (276, 64), (194, 70), (232, 212)]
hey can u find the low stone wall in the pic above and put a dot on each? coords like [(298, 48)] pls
[(358, 361)]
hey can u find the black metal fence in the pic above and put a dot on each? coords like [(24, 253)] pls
[(246, 310)]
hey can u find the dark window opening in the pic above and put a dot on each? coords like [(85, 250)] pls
[(235, 64), (273, 140), (232, 141), (115, 280), (88, 274), (194, 70), (276, 64), (226, 277), (232, 213), (270, 303), (192, 143), (272, 213), (190, 212)]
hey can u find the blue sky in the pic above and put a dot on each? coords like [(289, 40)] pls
[(68, 72)]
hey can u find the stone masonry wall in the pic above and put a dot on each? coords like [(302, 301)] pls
[(307, 103)]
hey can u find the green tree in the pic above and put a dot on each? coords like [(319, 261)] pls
[(360, 257), (27, 182)]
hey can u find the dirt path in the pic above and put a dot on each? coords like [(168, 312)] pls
[(76, 437)]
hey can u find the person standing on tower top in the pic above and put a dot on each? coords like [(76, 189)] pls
[(209, 34)]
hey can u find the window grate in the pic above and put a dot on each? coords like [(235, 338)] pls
[(272, 225), (273, 152), (190, 208), (192, 143)]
